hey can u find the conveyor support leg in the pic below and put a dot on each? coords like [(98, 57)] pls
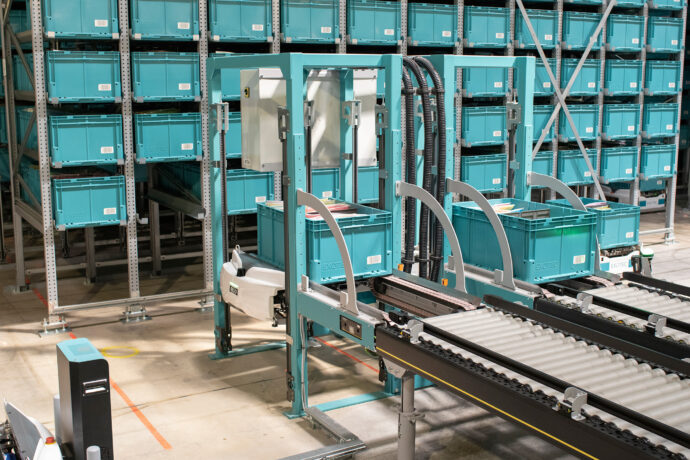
[(406, 419)]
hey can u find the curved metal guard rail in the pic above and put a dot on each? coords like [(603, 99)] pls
[(536, 179), (349, 302), (505, 277), (455, 263)]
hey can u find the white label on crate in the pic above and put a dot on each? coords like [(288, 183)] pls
[(183, 25), (327, 194), (388, 31), (577, 260), (591, 84), (667, 167), (258, 27), (498, 84), (371, 260), (184, 86), (672, 84), (547, 84), (498, 133), (636, 41), (629, 234), (588, 174), (446, 33), (674, 42), (628, 171), (548, 37), (326, 30), (669, 127), (500, 35), (633, 84), (631, 128), (100, 23), (188, 146), (496, 180), (589, 130), (659, 182), (107, 150), (109, 211), (104, 87), (260, 199)]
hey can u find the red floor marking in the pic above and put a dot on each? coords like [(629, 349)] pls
[(40, 297), (347, 354)]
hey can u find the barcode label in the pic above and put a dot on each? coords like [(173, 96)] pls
[(500, 35), (260, 199), (258, 27), (667, 168), (591, 84), (446, 33), (107, 150), (184, 86), (496, 180), (100, 23), (577, 260), (629, 235), (628, 171), (631, 128), (327, 194), (326, 30), (109, 211), (669, 127), (674, 42), (498, 133), (183, 25), (498, 84), (633, 84), (547, 84), (588, 174), (388, 31), (589, 130), (548, 37), (371, 260), (104, 87), (636, 41), (188, 146), (672, 84)]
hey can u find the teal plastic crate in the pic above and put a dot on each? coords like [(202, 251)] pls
[(486, 27), (545, 23), (652, 185), (83, 76), (24, 115), (621, 121), (325, 183), (542, 82), (624, 32), (662, 78), (664, 35), (483, 126), (583, 2), (368, 184), (431, 24), (310, 21), (631, 3), (484, 82), (165, 19), (19, 20), (81, 140), (89, 202), (233, 137), (618, 226), (373, 22), (572, 167), (252, 20), (622, 77), (560, 246), (230, 84), (586, 118), (247, 188), (659, 120), (543, 163), (667, 4), (162, 76), (4, 165), (80, 18), (367, 236), (578, 28), (486, 173), (658, 161), (542, 113), (618, 164), (167, 137), (587, 82), (22, 81)]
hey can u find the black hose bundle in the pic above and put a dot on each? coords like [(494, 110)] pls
[(410, 173), (436, 257), (428, 153)]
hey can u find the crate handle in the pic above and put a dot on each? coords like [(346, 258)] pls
[(504, 277), (455, 262), (349, 301)]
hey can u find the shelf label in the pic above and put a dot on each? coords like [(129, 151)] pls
[(674, 42), (548, 37), (371, 260), (629, 235), (547, 84), (628, 171), (636, 41), (188, 146), (327, 194), (500, 35), (667, 167), (184, 86), (669, 127), (631, 128), (633, 84), (498, 84), (326, 30), (183, 25), (577, 260), (672, 84), (446, 33), (496, 180), (109, 211), (104, 87), (100, 23), (258, 27), (260, 199), (589, 130), (591, 84), (388, 31), (106, 150), (498, 133), (588, 174)]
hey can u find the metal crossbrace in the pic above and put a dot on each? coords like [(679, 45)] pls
[(560, 95)]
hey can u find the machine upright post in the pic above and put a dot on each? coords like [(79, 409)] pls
[(406, 419)]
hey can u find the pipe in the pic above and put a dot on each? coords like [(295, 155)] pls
[(437, 256), (411, 173), (406, 418), (428, 156)]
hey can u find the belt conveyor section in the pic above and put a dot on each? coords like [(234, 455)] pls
[(631, 407)]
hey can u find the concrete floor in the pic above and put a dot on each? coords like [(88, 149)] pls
[(169, 400)]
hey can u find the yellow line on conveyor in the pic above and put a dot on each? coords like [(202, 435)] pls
[(489, 405)]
